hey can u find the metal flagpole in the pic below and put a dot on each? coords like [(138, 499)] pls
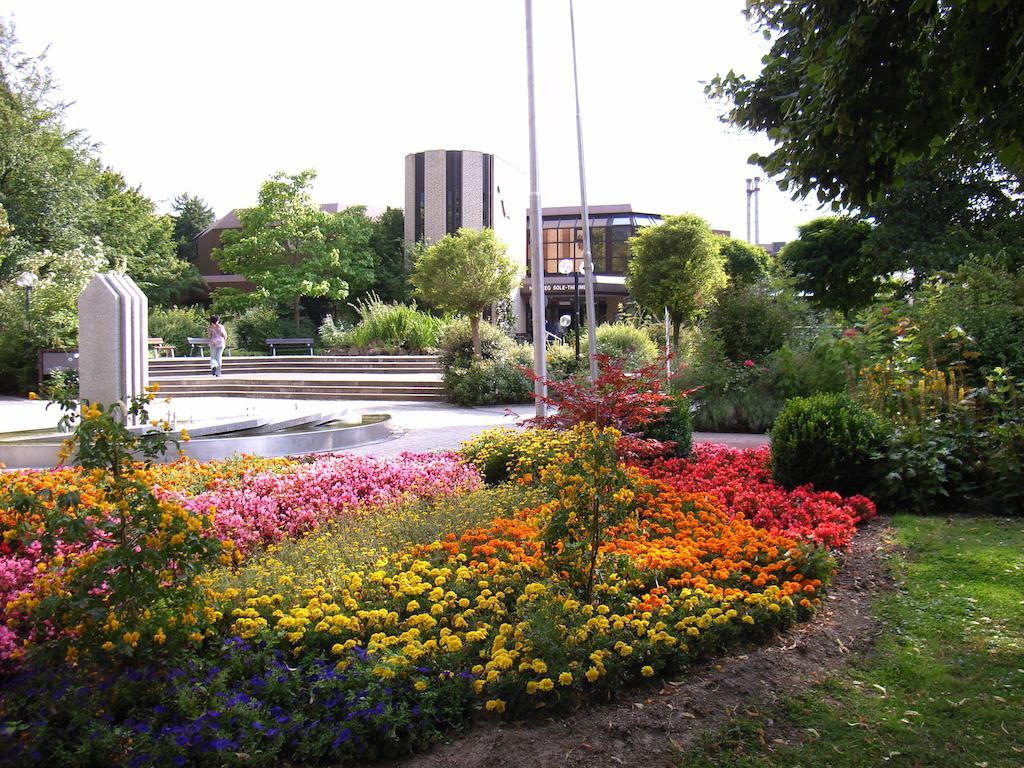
[(536, 264), (588, 266)]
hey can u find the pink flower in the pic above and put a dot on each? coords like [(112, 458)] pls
[(749, 363)]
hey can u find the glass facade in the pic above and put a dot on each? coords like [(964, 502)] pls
[(609, 236)]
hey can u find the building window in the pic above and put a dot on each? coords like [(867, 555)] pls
[(453, 189), (421, 203), (488, 165), (618, 255)]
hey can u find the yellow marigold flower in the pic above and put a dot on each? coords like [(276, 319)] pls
[(545, 685), (531, 687), (647, 671), (185, 437), (592, 674), (107, 646), (495, 705), (565, 678), (33, 396), (420, 685)]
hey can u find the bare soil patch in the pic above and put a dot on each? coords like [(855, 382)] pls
[(651, 725)]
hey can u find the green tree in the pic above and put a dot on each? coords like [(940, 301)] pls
[(744, 262), (140, 241), (52, 321), (947, 208), (47, 171), (391, 283), (290, 248), (677, 266), (829, 264), (465, 273), (192, 216), (852, 92)]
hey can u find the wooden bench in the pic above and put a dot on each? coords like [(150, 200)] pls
[(275, 343), (201, 343), (159, 348)]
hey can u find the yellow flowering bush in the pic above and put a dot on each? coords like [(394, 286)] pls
[(501, 454)]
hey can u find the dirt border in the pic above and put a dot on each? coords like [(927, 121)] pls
[(652, 725)]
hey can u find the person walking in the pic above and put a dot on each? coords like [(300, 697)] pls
[(218, 337)]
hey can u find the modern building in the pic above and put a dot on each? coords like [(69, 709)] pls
[(611, 226)]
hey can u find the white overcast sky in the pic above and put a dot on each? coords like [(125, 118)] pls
[(213, 97)]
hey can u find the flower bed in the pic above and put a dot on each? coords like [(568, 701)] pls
[(254, 502), (326, 658), (742, 481), (380, 603)]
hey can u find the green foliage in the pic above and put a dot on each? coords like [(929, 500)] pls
[(488, 382), (464, 273), (289, 248), (257, 324), (128, 574), (754, 319), (176, 324), (625, 343), (592, 492), (676, 426), (494, 377), (947, 208), (744, 262), (829, 263), (974, 319), (61, 384), (676, 265), (455, 345), (334, 335), (52, 322), (393, 328), (801, 368), (830, 441), (141, 242), (852, 93), (47, 187), (192, 216), (390, 260)]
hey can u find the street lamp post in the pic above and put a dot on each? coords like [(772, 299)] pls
[(565, 266), (27, 280)]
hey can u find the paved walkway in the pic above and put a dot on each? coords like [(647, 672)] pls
[(416, 426)]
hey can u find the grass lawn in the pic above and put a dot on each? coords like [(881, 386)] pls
[(944, 685)]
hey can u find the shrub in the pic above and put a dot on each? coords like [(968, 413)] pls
[(983, 304), (334, 335), (257, 324), (488, 382), (752, 320), (455, 346), (626, 343), (829, 441), (501, 454), (495, 377), (120, 583), (561, 359), (176, 324), (676, 426), (628, 402), (392, 328)]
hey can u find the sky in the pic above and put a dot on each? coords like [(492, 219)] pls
[(211, 98)]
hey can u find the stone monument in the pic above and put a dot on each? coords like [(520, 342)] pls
[(113, 331)]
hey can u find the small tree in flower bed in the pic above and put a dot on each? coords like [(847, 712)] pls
[(742, 481), (625, 401)]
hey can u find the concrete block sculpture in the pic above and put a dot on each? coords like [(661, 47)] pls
[(113, 328)]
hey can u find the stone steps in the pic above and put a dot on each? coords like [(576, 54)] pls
[(183, 366)]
